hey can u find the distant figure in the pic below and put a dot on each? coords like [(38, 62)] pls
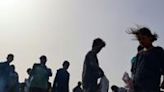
[(40, 74), (5, 70), (28, 80), (104, 83), (13, 80), (91, 69), (78, 88), (21, 87), (61, 81), (115, 88), (149, 63)]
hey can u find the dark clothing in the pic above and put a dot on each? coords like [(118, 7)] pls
[(133, 65), (34, 89), (148, 70), (5, 70), (77, 89), (90, 73), (13, 82), (61, 81), (40, 74)]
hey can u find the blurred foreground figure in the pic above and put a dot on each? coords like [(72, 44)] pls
[(149, 62)]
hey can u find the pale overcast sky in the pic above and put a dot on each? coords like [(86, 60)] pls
[(64, 30)]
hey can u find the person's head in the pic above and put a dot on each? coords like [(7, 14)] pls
[(43, 59), (65, 64), (79, 83), (98, 44), (12, 67), (114, 88), (29, 71), (144, 36), (10, 58)]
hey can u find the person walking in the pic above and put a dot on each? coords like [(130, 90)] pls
[(91, 69)]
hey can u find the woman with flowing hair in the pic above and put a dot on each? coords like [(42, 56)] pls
[(149, 62)]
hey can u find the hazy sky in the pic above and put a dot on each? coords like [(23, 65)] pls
[(64, 30)]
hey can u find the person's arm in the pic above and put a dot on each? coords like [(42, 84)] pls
[(55, 81), (33, 70), (49, 72), (133, 61)]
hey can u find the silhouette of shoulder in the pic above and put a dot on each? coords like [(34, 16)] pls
[(3, 65), (36, 64), (158, 48), (90, 53), (61, 70)]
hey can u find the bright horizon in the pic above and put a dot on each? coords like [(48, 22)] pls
[(64, 30)]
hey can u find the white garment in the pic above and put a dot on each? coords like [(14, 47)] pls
[(104, 84)]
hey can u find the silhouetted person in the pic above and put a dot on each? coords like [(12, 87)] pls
[(91, 67), (13, 80), (28, 80), (149, 63), (61, 81), (21, 87), (40, 74), (115, 88), (78, 88), (5, 73)]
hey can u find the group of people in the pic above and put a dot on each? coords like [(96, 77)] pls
[(38, 75), (38, 80), (8, 76), (146, 71)]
